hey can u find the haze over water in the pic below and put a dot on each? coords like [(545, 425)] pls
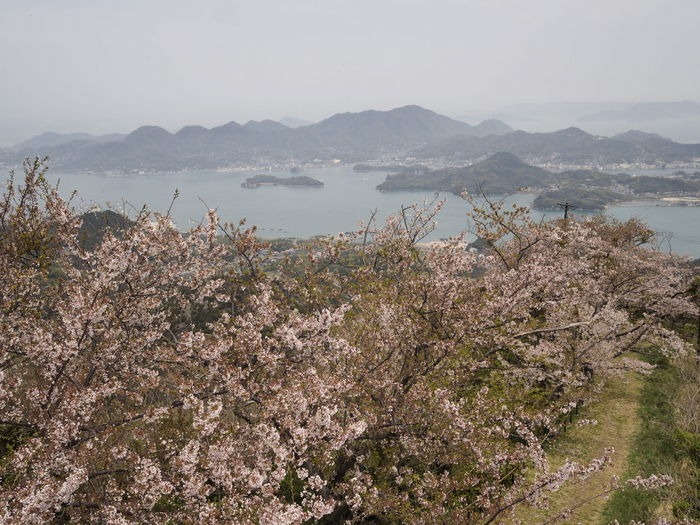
[(346, 199)]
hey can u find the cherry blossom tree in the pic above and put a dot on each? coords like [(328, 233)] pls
[(164, 377), (128, 410)]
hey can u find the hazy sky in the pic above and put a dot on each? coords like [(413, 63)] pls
[(112, 65)]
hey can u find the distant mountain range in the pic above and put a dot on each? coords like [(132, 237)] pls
[(409, 131), (679, 120), (569, 146), (51, 139), (647, 112), (346, 136)]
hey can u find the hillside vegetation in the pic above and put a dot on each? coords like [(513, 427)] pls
[(156, 377)]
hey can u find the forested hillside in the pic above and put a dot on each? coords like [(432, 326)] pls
[(156, 377)]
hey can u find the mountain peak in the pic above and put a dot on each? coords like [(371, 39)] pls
[(493, 127), (412, 108), (403, 126), (573, 131), (145, 133), (192, 131), (51, 138), (636, 137), (233, 125), (294, 122), (264, 126), (504, 159)]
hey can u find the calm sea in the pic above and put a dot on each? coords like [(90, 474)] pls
[(346, 199)]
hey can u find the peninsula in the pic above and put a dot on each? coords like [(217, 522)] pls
[(504, 173)]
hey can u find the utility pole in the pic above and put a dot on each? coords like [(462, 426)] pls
[(695, 292), (566, 207)]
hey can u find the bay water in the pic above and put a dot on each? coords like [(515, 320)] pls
[(346, 199)]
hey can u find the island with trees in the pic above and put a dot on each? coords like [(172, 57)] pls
[(300, 181)]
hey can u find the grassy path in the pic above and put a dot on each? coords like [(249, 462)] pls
[(616, 413)]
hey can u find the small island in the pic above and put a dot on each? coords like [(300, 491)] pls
[(270, 180), (586, 199)]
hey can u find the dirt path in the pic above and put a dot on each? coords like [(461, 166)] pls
[(616, 413)]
